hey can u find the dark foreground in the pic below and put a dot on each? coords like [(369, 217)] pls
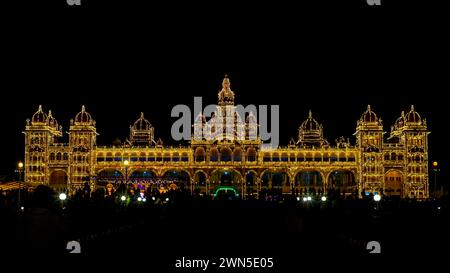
[(159, 233)]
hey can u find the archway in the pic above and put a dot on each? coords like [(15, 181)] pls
[(226, 177), (142, 180), (179, 178), (251, 183), (277, 182), (107, 176), (342, 181), (58, 180), (143, 174), (393, 180), (309, 182), (200, 181)]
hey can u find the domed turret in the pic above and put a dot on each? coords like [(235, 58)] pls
[(39, 118), (310, 124), (310, 132), (141, 133), (83, 118), (369, 116), (52, 121), (412, 117), (400, 122), (142, 124)]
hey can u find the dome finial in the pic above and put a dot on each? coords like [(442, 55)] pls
[(368, 107), (226, 82), (310, 114), (40, 108), (49, 113), (412, 107), (83, 109), (142, 115)]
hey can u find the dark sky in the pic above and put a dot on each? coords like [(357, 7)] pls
[(121, 59)]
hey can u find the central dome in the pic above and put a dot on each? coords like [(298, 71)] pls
[(226, 96), (142, 124), (141, 133), (310, 123), (310, 132)]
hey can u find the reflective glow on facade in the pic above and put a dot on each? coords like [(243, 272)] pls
[(396, 165)]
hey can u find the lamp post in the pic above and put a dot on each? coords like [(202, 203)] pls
[(62, 197), (20, 169), (435, 170), (126, 163), (377, 199)]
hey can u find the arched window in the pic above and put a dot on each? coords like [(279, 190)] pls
[(317, 157), (166, 157), (199, 154), (214, 155), (266, 157), (292, 157), (225, 154), (237, 154), (393, 156), (275, 157), (251, 154)]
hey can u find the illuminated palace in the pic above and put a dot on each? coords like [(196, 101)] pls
[(394, 165)]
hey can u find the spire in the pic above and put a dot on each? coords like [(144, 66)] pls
[(226, 83), (226, 96)]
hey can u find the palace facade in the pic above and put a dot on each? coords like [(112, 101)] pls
[(396, 165)]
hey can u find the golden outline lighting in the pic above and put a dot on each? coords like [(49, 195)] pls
[(396, 165)]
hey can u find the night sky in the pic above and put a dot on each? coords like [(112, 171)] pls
[(121, 60)]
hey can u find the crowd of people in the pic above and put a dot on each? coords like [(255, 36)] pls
[(44, 222)]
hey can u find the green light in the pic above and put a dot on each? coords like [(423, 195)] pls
[(226, 189)]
